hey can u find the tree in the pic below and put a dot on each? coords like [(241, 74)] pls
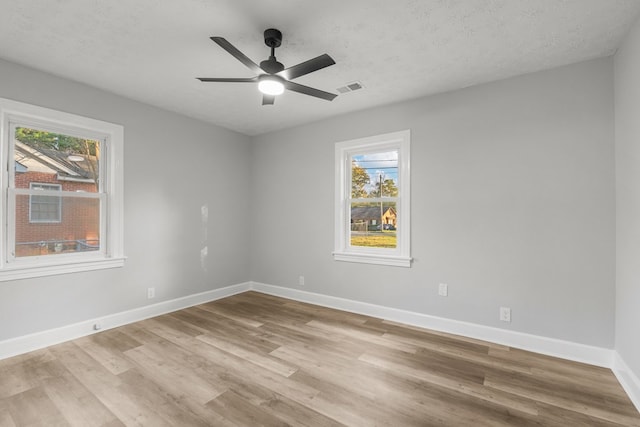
[(359, 179), (53, 141), (39, 140), (389, 189)]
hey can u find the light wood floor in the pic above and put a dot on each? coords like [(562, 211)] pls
[(253, 359)]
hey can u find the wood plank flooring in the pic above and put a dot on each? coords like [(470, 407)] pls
[(258, 360)]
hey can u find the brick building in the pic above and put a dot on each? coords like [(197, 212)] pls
[(48, 224)]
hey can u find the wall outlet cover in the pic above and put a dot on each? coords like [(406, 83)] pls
[(505, 314), (443, 290)]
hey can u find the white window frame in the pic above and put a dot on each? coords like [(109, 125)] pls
[(111, 252), (400, 256), (57, 187)]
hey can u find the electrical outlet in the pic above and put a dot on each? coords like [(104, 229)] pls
[(443, 290), (505, 314), (151, 293), (301, 280)]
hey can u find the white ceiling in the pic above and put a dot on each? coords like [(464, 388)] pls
[(152, 50)]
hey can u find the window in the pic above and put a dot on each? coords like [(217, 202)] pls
[(61, 192), (44, 208), (372, 218)]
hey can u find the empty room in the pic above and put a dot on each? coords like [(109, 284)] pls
[(362, 213)]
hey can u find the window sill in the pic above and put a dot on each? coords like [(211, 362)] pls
[(27, 272), (394, 261)]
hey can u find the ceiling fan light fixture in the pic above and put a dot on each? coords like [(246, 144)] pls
[(270, 85), (272, 77)]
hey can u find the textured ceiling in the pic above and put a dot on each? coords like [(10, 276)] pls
[(152, 50)]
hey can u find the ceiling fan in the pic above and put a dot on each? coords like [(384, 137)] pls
[(272, 77)]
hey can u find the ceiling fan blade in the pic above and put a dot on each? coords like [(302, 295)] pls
[(228, 80), (309, 90), (268, 99), (223, 43), (307, 67)]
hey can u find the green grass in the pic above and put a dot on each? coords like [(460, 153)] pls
[(375, 240)]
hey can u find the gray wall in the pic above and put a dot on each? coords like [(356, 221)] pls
[(627, 125), (173, 166), (513, 204)]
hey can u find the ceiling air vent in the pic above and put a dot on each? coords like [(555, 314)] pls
[(350, 87)]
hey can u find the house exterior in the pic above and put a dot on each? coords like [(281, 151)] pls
[(50, 224), (390, 217), (367, 216)]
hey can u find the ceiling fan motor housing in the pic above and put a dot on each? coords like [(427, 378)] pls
[(272, 37), (272, 66)]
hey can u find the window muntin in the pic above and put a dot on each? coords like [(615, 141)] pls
[(372, 200), (63, 192)]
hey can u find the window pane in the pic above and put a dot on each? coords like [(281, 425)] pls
[(47, 157), (374, 175), (44, 208), (78, 229), (374, 224)]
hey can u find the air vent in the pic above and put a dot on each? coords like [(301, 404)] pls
[(350, 87)]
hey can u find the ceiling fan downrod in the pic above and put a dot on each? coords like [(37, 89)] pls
[(273, 39)]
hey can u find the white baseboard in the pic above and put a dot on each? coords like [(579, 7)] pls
[(629, 381), (564, 349), (550, 346), (26, 343)]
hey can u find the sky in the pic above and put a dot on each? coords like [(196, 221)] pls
[(385, 163)]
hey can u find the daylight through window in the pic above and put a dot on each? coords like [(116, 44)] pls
[(372, 200), (60, 174), (374, 195), (63, 210)]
